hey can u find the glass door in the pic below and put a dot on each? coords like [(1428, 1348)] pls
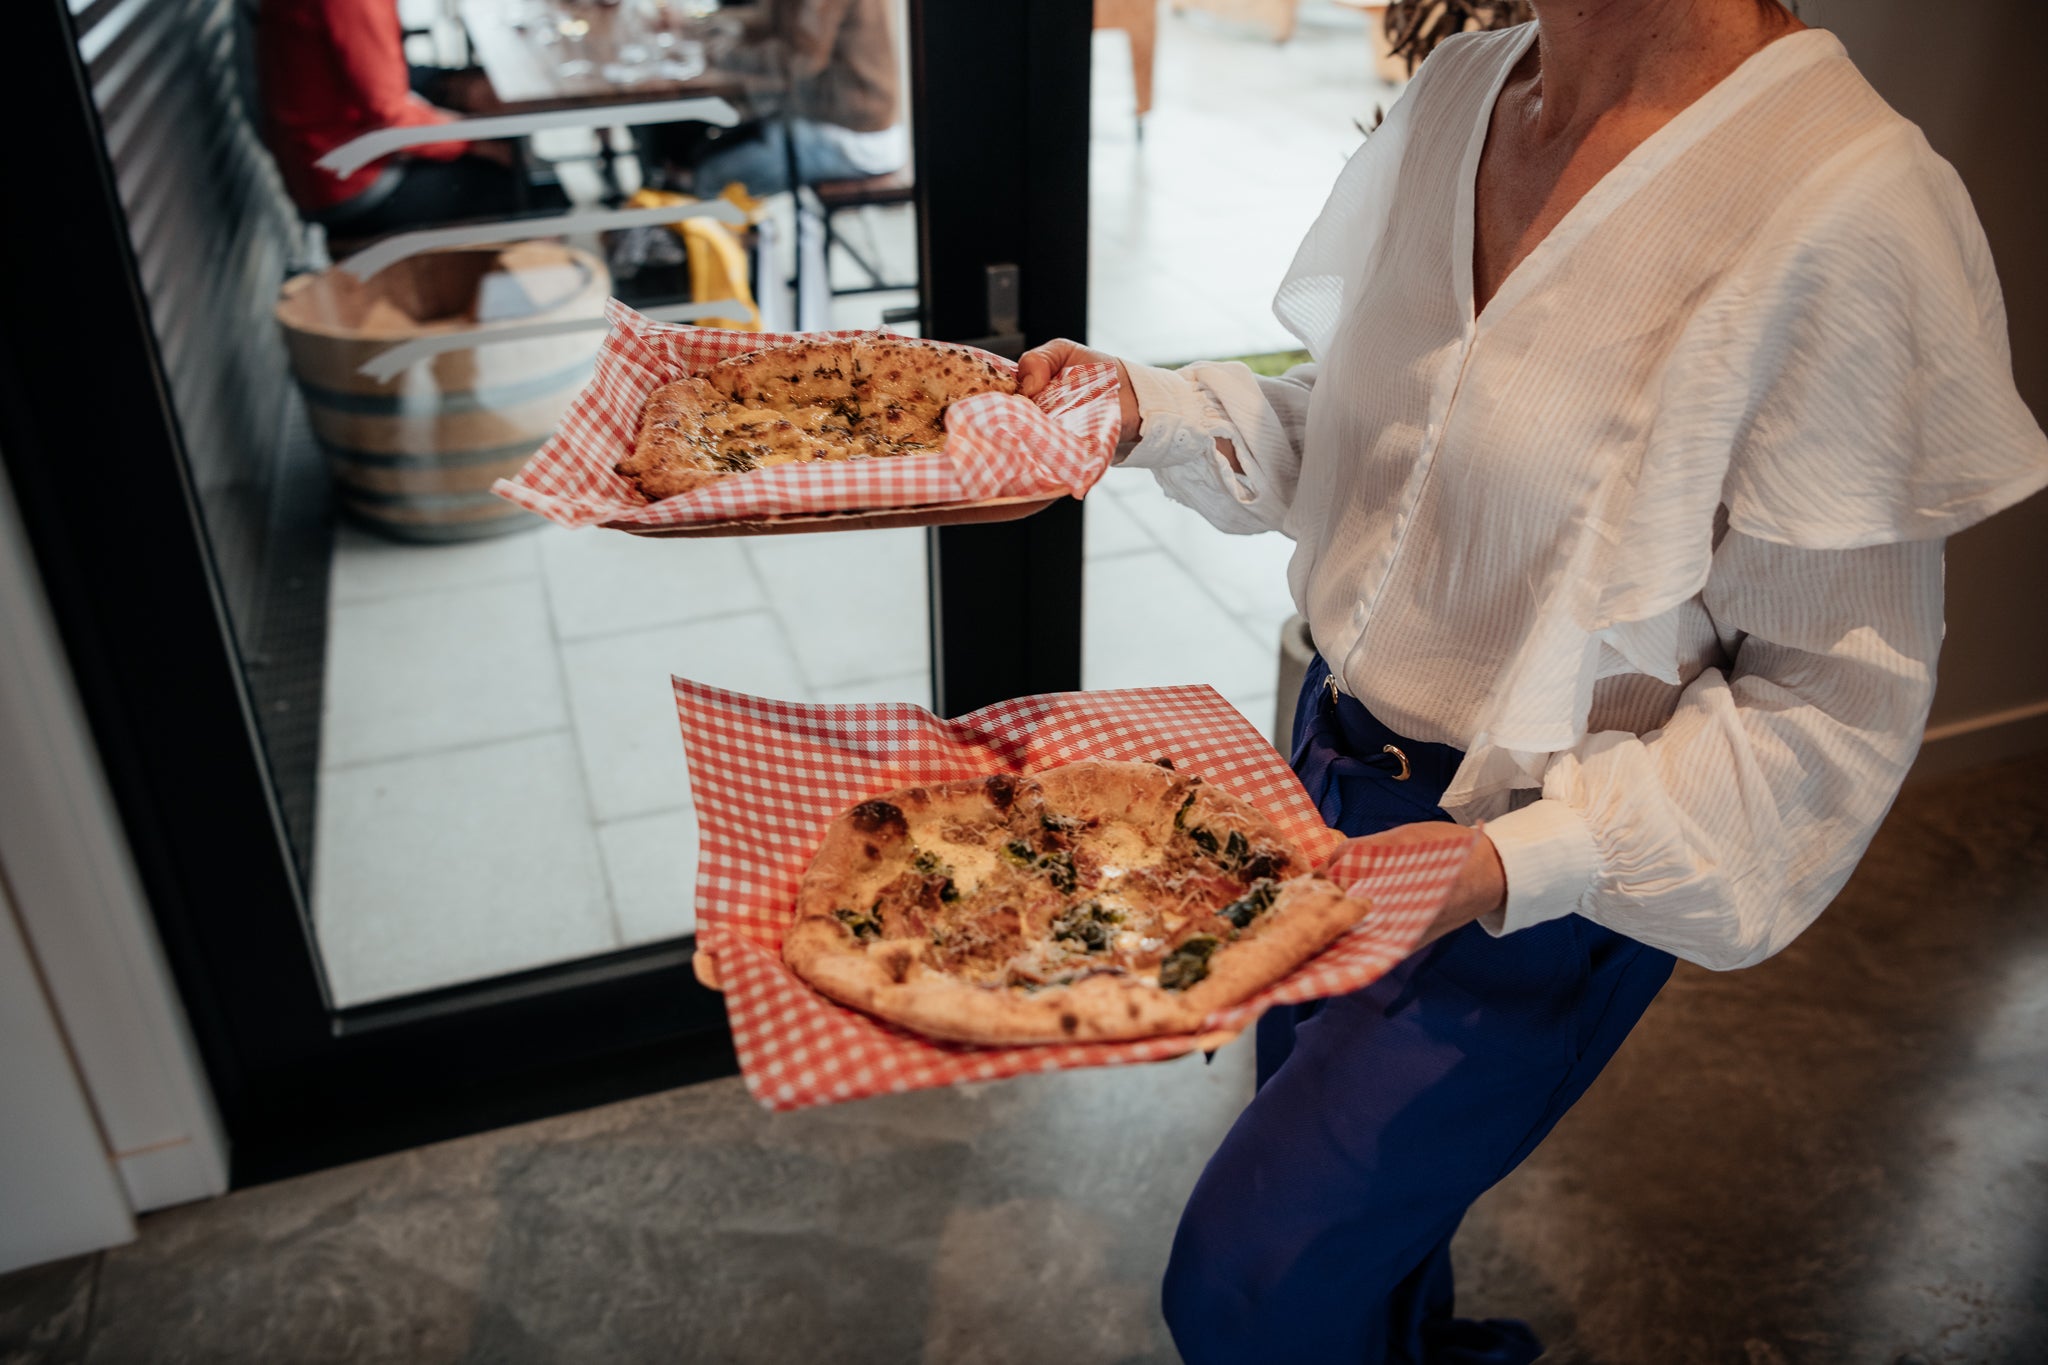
[(1185, 265), (399, 763)]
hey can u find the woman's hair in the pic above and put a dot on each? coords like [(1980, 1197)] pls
[(1415, 27)]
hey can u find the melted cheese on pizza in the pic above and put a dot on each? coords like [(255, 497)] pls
[(758, 437), (1035, 897)]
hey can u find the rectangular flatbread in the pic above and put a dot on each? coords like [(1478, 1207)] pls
[(866, 398)]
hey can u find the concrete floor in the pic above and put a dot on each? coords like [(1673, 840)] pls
[(1838, 1157)]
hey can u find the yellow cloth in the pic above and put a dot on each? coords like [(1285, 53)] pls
[(718, 266)]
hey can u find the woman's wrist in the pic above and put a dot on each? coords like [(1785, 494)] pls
[(1482, 887), (1127, 404)]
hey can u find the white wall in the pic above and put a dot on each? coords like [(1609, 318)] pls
[(58, 1192), (1969, 73), (79, 934)]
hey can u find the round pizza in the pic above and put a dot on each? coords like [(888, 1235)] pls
[(812, 400), (1087, 902)]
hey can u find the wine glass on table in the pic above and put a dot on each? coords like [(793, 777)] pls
[(656, 26), (574, 31), (632, 44), (537, 19)]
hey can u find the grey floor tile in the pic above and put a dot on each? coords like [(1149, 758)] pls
[(624, 705), (1247, 574), (939, 1227), (651, 865), (1144, 311), (853, 602), (368, 567), (456, 866), (863, 312), (46, 1312), (1154, 625), (601, 582), (1193, 225), (430, 670), (1107, 527), (379, 1263), (1126, 485)]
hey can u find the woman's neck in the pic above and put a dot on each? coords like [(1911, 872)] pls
[(1597, 55)]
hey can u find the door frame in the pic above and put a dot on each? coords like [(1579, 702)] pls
[(1013, 78), (136, 596)]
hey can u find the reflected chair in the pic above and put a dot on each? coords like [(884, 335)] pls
[(834, 197)]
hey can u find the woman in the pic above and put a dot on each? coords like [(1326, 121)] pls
[(332, 70), (1654, 359)]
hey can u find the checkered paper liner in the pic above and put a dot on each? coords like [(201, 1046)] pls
[(769, 776), (997, 445)]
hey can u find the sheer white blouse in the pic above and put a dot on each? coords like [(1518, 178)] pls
[(1656, 537)]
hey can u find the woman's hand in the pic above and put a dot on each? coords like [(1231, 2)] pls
[(1482, 885), (1041, 364)]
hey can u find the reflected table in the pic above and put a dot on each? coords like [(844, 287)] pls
[(551, 54)]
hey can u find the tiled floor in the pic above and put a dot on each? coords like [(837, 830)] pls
[(502, 782), (1192, 225)]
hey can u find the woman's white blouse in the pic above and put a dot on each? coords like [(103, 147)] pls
[(1656, 538)]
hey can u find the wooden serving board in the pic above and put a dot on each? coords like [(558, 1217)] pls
[(937, 514)]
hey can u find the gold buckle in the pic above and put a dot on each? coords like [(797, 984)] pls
[(1330, 686), (1401, 776)]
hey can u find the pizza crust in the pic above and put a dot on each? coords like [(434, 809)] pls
[(866, 398), (898, 976)]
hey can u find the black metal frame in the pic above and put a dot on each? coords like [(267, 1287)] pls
[(137, 602), (1011, 623)]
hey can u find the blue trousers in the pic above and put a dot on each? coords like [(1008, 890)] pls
[(762, 163), (1321, 1229)]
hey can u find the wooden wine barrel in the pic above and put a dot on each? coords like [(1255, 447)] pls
[(414, 456)]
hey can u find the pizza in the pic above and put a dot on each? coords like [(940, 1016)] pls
[(1088, 902), (811, 400)]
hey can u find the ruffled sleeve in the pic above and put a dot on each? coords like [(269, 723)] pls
[(1841, 402), (1724, 833), (1874, 401)]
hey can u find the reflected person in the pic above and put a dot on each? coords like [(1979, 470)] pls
[(835, 61), (332, 70)]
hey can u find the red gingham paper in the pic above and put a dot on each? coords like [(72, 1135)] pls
[(768, 776), (997, 445)]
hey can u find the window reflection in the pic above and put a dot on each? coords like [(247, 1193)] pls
[(466, 711), (845, 117), (330, 71), (1213, 148)]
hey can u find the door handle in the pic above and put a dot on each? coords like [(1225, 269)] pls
[(1005, 331)]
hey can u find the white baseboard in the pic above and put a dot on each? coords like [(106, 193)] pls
[(83, 913), (1979, 741), (174, 1172)]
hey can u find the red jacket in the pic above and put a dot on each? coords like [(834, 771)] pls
[(332, 70)]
